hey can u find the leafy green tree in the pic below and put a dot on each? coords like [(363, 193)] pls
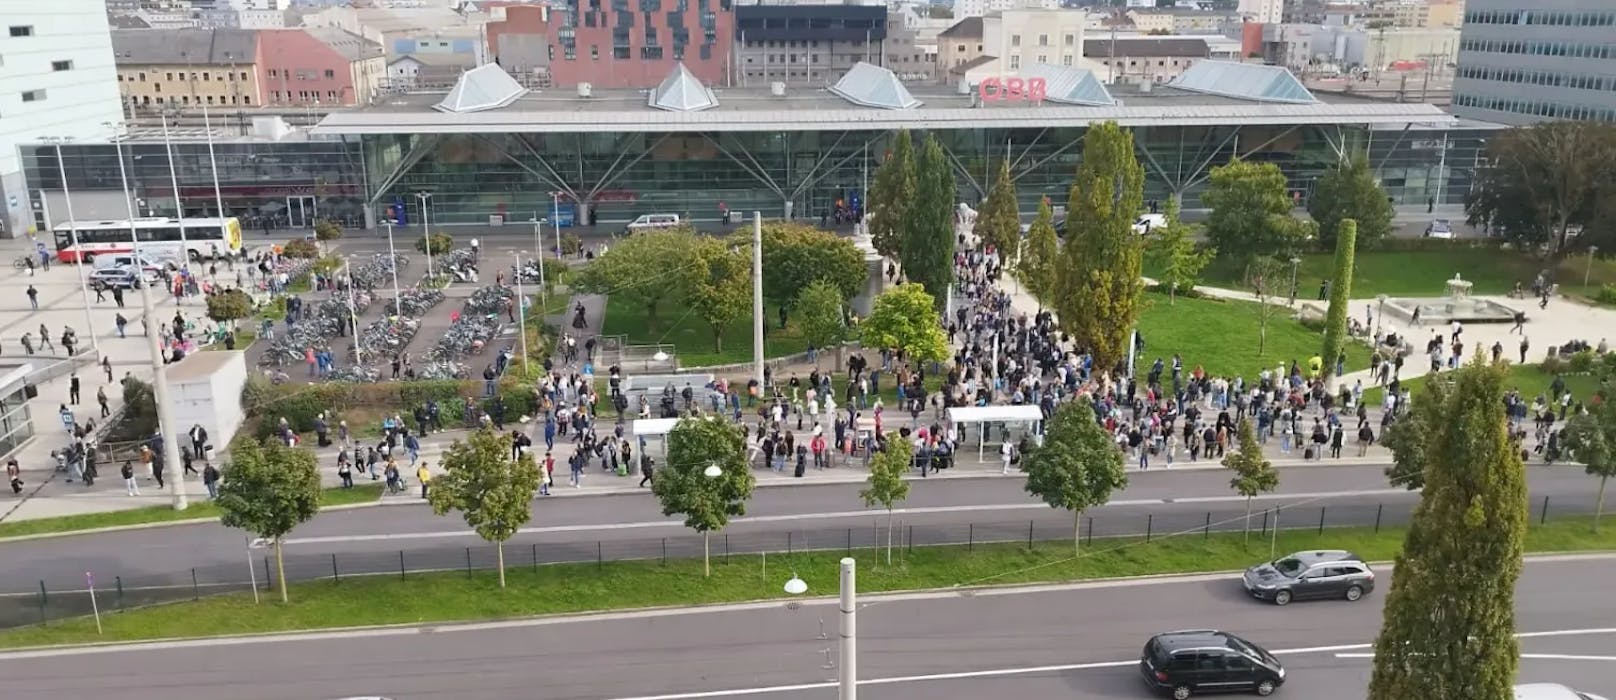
[(684, 488), (441, 243), (1098, 285), (1039, 256), (1538, 183), (268, 489), (1078, 466), (1350, 191), (1448, 629), (905, 319), (493, 492), (1335, 320), (1254, 474), (1174, 253), (327, 230), (1408, 436), (796, 255), (719, 286), (229, 306), (301, 248), (1266, 277), (887, 486), (643, 270), (999, 222), (928, 234), (1591, 439), (819, 314), (1251, 212), (891, 195)]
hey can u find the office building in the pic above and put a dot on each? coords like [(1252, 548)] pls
[(1524, 62)]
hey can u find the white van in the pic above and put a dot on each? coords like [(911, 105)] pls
[(1146, 222), (648, 222)]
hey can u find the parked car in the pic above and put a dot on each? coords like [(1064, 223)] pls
[(650, 222), (1551, 691), (1303, 575), (1148, 222), (1439, 228), (115, 278), (1191, 662)]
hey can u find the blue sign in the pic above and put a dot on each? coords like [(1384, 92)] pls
[(565, 215)]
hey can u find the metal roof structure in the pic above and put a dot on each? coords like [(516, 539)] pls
[(869, 85), (681, 91), (482, 88), (1071, 86), (1246, 81)]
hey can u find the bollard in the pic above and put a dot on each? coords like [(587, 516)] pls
[(196, 593), (1206, 531), (970, 537), (1378, 510), (1029, 534), (1544, 516), (533, 556), (468, 562), (43, 598), (1321, 520), (334, 575), (401, 565), (118, 581), (1150, 525)]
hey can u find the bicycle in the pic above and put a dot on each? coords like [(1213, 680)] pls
[(24, 262)]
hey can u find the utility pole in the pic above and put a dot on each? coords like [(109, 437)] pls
[(757, 297)]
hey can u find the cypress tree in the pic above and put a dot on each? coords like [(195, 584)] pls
[(999, 222), (1098, 284), (1449, 622), (890, 196), (928, 226), (1335, 322)]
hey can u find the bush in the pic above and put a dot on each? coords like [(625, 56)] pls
[(229, 305), (139, 420), (571, 244), (327, 264), (300, 405), (1581, 362), (327, 230), (441, 243), (301, 248), (1423, 245), (1606, 295), (1553, 364)]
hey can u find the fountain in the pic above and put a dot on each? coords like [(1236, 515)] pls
[(1458, 305)]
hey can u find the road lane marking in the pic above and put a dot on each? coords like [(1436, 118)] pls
[(834, 515)]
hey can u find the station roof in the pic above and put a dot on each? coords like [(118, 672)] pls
[(819, 108)]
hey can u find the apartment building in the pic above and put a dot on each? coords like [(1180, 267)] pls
[(614, 43), (1145, 59), (806, 44), (188, 69)]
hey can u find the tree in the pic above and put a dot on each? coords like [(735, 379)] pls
[(797, 255), (999, 222), (641, 270), (1540, 182), (268, 489), (1335, 320), (928, 234), (1254, 474), (327, 230), (1039, 256), (1077, 467), (1591, 439), (1251, 212), (719, 285), (887, 485), (301, 248), (1173, 252), (229, 305), (819, 315), (1408, 436), (1448, 629), (683, 487), (441, 243), (905, 319), (1267, 279), (891, 194), (1350, 191), (1098, 285), (493, 492)]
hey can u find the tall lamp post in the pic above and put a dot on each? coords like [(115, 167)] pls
[(1295, 262), (73, 230), (174, 182), (426, 223), (165, 412), (393, 262), (555, 219), (213, 163), (1381, 313), (757, 298), (521, 311), (1588, 270), (847, 674), (538, 254)]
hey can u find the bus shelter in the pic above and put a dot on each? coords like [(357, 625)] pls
[(1011, 421), (647, 429)]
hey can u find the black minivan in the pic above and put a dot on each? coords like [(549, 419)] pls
[(1191, 662)]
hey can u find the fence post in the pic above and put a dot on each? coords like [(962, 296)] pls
[(1089, 538), (401, 565), (664, 551), (970, 537), (196, 593), (1150, 525), (849, 541), (43, 600), (788, 541), (118, 581), (1544, 516), (1206, 532), (1265, 521), (334, 575), (911, 538), (1379, 508), (1029, 534), (1321, 520), (726, 548), (269, 584), (468, 562), (600, 560)]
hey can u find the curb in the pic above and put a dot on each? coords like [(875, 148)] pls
[(149, 526)]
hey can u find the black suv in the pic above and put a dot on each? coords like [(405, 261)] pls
[(1208, 661), (1319, 574)]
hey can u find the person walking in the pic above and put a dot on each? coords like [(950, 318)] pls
[(33, 297), (646, 469), (127, 471), (106, 367), (210, 480), (73, 388), (546, 473), (424, 475), (44, 338), (14, 476)]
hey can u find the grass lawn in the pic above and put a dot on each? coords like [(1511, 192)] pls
[(1423, 273), (1531, 380), (620, 585), (693, 339), (200, 508), (1221, 336)]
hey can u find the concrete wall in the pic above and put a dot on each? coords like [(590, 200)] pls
[(214, 401)]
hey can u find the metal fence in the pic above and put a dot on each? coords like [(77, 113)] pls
[(57, 597)]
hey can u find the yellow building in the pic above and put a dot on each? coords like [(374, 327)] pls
[(187, 68), (959, 45)]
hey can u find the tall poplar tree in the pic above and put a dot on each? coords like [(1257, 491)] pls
[(928, 233), (890, 195), (999, 222), (1335, 320), (1449, 622), (1098, 284), (1039, 256)]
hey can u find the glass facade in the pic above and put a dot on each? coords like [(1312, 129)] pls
[(474, 177), (16, 425)]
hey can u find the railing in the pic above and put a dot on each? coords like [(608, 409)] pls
[(57, 597)]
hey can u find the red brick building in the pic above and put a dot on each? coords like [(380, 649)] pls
[(614, 43)]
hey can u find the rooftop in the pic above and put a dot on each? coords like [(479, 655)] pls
[(181, 46), (1179, 47), (970, 27)]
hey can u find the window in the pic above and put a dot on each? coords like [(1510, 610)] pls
[(33, 95), (1015, 39), (1043, 59), (1066, 60), (1043, 39), (1071, 39), (594, 52), (19, 30), (329, 74), (170, 76), (1015, 62), (61, 65), (1236, 662), (143, 77)]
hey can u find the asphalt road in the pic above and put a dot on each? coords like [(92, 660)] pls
[(1064, 642), (826, 516)]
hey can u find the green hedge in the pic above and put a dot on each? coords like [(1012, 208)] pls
[(301, 404)]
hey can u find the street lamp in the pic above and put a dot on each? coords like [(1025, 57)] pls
[(521, 315), (213, 163), (1381, 313), (555, 219), (713, 471), (165, 412), (393, 261), (353, 314), (538, 254), (1294, 263), (847, 678), (426, 223), (73, 230), (1588, 271), (174, 182)]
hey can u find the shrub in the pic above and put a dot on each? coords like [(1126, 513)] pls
[(229, 305), (1581, 362), (327, 264), (571, 244), (441, 243), (1606, 295), (300, 405), (300, 248), (327, 230), (1553, 364)]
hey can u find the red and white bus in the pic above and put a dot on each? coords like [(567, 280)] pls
[(159, 238)]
